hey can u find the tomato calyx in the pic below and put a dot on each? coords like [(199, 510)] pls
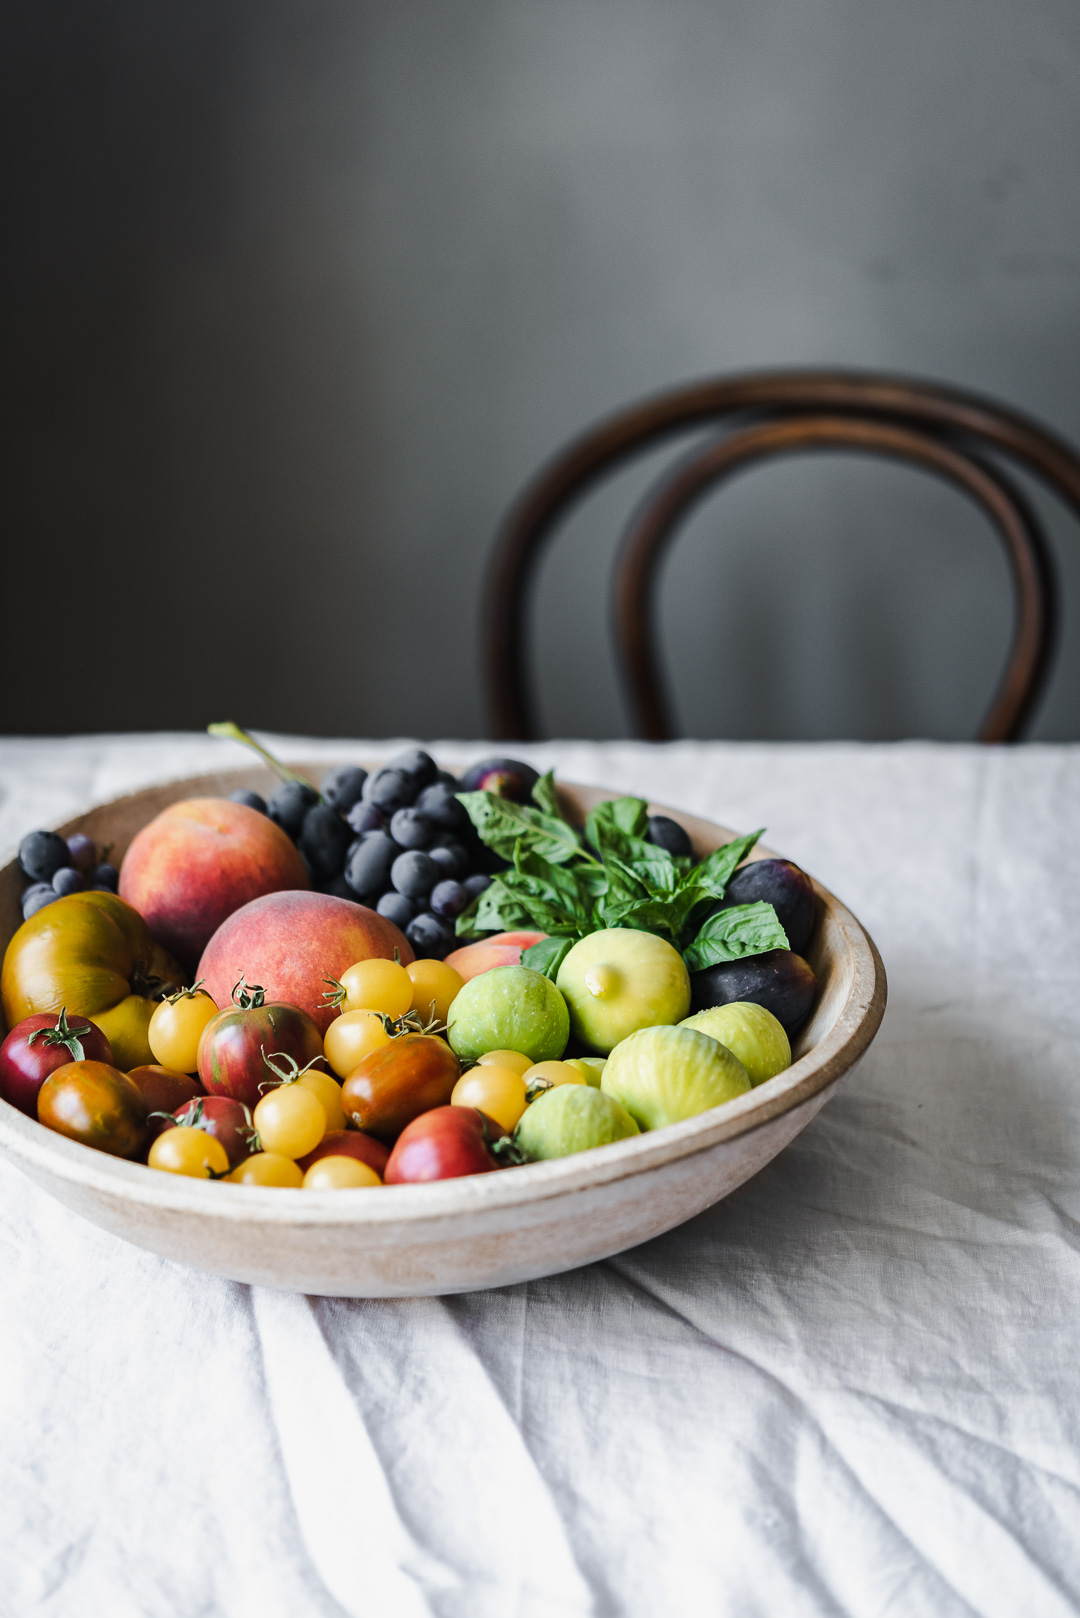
[(197, 1119), (506, 1152), (285, 1068), (335, 996), (248, 996), (410, 1022), (535, 1088), (63, 1034), (189, 994)]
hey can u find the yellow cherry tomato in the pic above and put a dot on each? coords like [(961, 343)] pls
[(546, 1074), (189, 1151), (339, 1174), (434, 986), (176, 1026), (514, 1060), (377, 985), (498, 1091), (351, 1037), (268, 1168), (290, 1120), (327, 1092)]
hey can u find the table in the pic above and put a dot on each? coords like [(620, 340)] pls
[(852, 1388)]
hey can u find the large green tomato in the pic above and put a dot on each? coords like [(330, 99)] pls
[(620, 980), (663, 1075), (510, 1008), (751, 1032)]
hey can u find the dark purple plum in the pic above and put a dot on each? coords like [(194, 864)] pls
[(667, 833), (779, 980), (784, 886), (506, 777)]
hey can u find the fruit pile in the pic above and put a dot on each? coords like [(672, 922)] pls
[(623, 986)]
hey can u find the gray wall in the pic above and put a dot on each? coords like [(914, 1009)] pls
[(299, 295)]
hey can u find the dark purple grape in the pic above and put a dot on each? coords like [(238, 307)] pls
[(106, 877), (784, 886), (779, 980), (476, 884), (390, 790), (82, 852), (253, 800), (506, 777), (342, 786), (448, 899), (36, 897), (667, 833), (324, 838), (452, 858), (364, 817), (419, 766), (449, 778), (439, 802), (411, 828), (42, 853), (396, 908), (289, 803), (429, 937), (368, 870), (414, 874), (68, 880)]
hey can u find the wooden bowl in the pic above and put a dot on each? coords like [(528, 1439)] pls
[(486, 1231)]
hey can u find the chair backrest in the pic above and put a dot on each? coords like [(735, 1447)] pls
[(759, 416)]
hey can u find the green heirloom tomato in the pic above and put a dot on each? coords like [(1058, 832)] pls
[(509, 1008), (663, 1075), (751, 1033), (571, 1118)]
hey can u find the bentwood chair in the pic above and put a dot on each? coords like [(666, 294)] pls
[(957, 436)]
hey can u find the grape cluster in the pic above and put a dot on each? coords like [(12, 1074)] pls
[(396, 839), (57, 866)]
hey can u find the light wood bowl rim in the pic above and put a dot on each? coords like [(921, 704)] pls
[(25, 1140)]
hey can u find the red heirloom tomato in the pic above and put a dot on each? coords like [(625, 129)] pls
[(349, 1143), (229, 1122), (163, 1089), (235, 1043), (397, 1082), (445, 1144), (39, 1045)]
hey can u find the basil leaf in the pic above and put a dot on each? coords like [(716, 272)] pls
[(547, 956), (716, 872), (496, 910), (629, 815), (546, 798), (731, 934), (502, 824), (555, 885)]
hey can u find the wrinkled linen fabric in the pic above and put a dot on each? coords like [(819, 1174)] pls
[(850, 1388)]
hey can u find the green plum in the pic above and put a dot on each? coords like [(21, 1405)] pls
[(749, 1031), (619, 980), (509, 1008), (571, 1118), (663, 1075)]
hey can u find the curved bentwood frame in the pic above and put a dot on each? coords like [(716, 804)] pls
[(957, 436)]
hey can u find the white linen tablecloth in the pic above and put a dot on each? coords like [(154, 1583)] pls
[(852, 1388)]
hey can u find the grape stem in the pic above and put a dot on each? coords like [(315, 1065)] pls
[(233, 732)]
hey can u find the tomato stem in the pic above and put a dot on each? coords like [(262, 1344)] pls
[(62, 1034)]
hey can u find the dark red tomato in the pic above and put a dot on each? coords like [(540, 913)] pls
[(39, 1045), (349, 1143), (96, 1104), (163, 1089), (235, 1044), (444, 1144), (227, 1120), (397, 1082)]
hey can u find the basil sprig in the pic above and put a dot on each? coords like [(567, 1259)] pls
[(569, 886)]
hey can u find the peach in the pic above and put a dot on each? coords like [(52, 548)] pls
[(290, 943), (501, 949), (200, 860)]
